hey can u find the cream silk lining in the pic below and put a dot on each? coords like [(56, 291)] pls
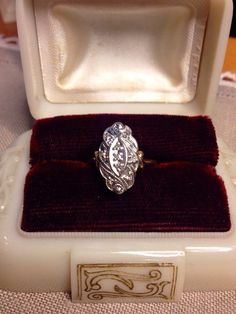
[(120, 51)]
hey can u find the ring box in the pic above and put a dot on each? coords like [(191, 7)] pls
[(126, 57)]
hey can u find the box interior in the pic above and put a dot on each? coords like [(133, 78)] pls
[(178, 191), (120, 51), (117, 57), (150, 57)]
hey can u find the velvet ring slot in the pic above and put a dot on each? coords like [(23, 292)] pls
[(64, 192)]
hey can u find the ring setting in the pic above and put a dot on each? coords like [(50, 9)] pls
[(119, 158)]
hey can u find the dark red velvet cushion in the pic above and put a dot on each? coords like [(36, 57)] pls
[(181, 192), (71, 196), (161, 137)]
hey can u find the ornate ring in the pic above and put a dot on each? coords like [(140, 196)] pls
[(119, 158)]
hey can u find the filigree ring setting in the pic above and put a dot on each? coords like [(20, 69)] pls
[(119, 158)]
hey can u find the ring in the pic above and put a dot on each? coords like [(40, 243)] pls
[(119, 158)]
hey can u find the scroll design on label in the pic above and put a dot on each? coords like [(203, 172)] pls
[(8, 164), (99, 281)]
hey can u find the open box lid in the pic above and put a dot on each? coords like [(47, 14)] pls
[(135, 56)]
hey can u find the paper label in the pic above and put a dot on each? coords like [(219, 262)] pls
[(128, 281)]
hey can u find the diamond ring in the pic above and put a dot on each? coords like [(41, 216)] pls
[(119, 158)]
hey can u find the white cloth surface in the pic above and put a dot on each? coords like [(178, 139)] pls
[(15, 119)]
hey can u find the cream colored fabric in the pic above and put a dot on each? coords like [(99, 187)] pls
[(15, 119), (126, 38), (59, 303)]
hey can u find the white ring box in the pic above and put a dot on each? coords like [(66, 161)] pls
[(150, 57)]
